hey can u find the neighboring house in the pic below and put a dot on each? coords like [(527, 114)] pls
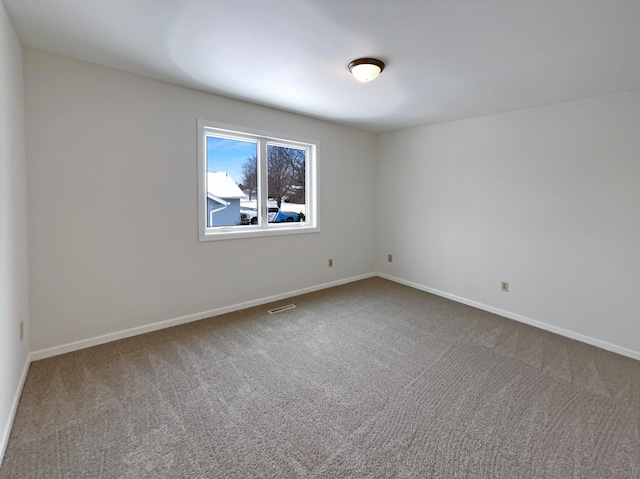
[(223, 200)]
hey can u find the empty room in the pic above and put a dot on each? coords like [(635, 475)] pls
[(318, 239)]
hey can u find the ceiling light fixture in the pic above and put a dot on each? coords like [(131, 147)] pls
[(366, 69)]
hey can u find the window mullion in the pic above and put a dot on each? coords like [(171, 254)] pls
[(263, 192)]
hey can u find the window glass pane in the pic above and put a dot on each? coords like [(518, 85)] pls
[(232, 181), (286, 177)]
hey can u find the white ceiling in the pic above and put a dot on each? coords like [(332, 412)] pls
[(446, 59)]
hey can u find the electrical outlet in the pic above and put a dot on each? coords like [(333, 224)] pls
[(505, 286), (330, 263), (21, 330), (390, 258)]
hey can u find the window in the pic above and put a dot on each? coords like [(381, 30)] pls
[(252, 183)]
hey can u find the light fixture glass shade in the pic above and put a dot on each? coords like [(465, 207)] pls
[(366, 69)]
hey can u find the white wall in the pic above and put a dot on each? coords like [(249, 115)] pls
[(546, 198), (14, 300), (113, 198)]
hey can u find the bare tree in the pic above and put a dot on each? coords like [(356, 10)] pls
[(286, 173), (250, 176), (297, 195)]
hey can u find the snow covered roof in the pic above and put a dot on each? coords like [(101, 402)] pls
[(222, 185)]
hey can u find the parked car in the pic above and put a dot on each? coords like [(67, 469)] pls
[(275, 215), (249, 216)]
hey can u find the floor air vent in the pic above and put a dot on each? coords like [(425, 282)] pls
[(282, 308)]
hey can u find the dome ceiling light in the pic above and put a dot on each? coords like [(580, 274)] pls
[(366, 69)]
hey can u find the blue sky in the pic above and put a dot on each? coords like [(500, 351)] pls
[(228, 155)]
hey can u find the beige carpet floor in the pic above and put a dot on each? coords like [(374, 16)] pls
[(371, 379)]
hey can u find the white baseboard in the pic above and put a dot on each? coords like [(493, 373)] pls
[(522, 319), (6, 432), (127, 333), (86, 343)]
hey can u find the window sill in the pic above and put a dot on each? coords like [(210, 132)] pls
[(241, 232)]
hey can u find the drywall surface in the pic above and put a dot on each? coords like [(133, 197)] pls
[(14, 286), (113, 192), (545, 198)]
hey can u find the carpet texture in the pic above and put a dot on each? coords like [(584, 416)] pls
[(370, 379)]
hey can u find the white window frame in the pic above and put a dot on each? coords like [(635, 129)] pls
[(264, 228)]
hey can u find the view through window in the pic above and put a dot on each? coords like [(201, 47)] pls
[(253, 182)]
